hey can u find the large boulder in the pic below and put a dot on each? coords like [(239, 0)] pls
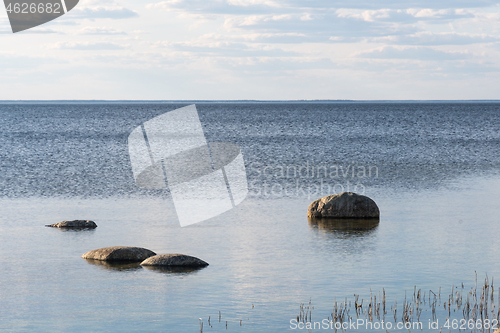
[(344, 205), (171, 260), (77, 224), (119, 253)]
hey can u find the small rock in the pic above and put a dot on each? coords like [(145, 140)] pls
[(344, 205), (174, 260), (82, 224), (119, 253)]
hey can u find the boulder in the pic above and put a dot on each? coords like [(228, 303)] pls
[(170, 260), (344, 205), (119, 253), (77, 224)]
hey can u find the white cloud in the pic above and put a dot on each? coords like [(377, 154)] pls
[(102, 12), (392, 4), (443, 38), (100, 31), (211, 5), (15, 62), (263, 47), (227, 49), (410, 15), (38, 30), (91, 46), (236, 7), (163, 5), (246, 3), (270, 67), (415, 53)]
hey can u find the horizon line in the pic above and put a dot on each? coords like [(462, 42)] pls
[(252, 101)]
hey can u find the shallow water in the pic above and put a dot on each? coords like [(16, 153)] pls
[(439, 216)]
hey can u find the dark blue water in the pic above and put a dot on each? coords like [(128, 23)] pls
[(434, 174), (81, 149)]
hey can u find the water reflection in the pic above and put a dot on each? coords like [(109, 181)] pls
[(345, 228), (177, 270), (115, 266), (90, 230)]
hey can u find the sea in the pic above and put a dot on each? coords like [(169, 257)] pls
[(430, 264)]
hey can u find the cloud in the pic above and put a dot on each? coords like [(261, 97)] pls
[(320, 26), (272, 67), (91, 46), (102, 12), (16, 62), (282, 38), (246, 7), (392, 4), (34, 31), (414, 53), (326, 21), (100, 31), (217, 7), (410, 15), (444, 38), (227, 49), (424, 69), (386, 22), (40, 31), (272, 43)]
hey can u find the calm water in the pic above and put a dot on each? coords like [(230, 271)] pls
[(434, 174)]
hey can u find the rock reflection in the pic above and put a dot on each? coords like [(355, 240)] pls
[(90, 230), (345, 228), (177, 270), (115, 266)]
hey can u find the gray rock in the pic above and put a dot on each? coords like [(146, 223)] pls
[(174, 260), (119, 253), (344, 205), (82, 224)]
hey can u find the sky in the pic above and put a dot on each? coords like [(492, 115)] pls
[(257, 50)]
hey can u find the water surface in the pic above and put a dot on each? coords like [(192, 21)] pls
[(437, 187)]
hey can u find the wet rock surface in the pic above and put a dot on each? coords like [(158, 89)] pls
[(119, 253), (77, 224), (344, 205), (174, 260)]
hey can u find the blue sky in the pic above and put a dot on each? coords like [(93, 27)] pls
[(257, 49)]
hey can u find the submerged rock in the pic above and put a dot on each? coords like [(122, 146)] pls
[(170, 260), (80, 224), (174, 270), (119, 253), (344, 205), (115, 265), (344, 226)]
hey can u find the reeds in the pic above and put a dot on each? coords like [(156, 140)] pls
[(225, 322), (460, 304), (305, 312), (476, 304)]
